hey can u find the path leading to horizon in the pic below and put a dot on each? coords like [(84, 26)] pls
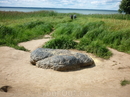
[(27, 80)]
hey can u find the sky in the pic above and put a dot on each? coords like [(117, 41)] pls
[(79, 4)]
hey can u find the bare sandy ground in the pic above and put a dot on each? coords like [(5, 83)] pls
[(26, 80)]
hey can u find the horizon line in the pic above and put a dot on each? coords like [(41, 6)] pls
[(56, 8)]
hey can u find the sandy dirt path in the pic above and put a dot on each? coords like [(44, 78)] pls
[(26, 80)]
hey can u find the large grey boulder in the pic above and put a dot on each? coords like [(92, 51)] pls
[(59, 63), (40, 54), (60, 60)]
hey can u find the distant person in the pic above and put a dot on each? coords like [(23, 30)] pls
[(75, 17), (71, 17)]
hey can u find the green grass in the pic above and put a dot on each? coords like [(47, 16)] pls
[(125, 82), (20, 15), (11, 36), (96, 47), (71, 29), (119, 40), (62, 42), (95, 32), (110, 16), (95, 37), (89, 33)]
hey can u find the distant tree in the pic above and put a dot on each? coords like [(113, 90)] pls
[(124, 6)]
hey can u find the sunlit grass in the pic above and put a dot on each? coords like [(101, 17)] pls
[(95, 32)]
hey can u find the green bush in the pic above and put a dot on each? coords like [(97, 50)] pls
[(78, 31), (62, 42), (4, 30), (63, 29), (83, 43), (125, 82), (31, 32), (100, 50), (7, 34), (30, 25), (93, 34), (119, 40), (94, 25), (95, 47)]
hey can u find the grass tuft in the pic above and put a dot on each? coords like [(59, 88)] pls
[(125, 82), (62, 42), (95, 47)]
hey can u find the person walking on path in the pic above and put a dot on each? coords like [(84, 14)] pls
[(75, 17), (71, 17)]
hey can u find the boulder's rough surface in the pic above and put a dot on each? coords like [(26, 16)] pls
[(60, 60), (40, 54)]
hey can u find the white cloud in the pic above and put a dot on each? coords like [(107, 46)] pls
[(4, 2), (95, 2), (105, 1), (106, 4), (85, 4), (117, 5)]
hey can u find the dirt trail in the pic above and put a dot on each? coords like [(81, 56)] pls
[(26, 80), (32, 45)]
